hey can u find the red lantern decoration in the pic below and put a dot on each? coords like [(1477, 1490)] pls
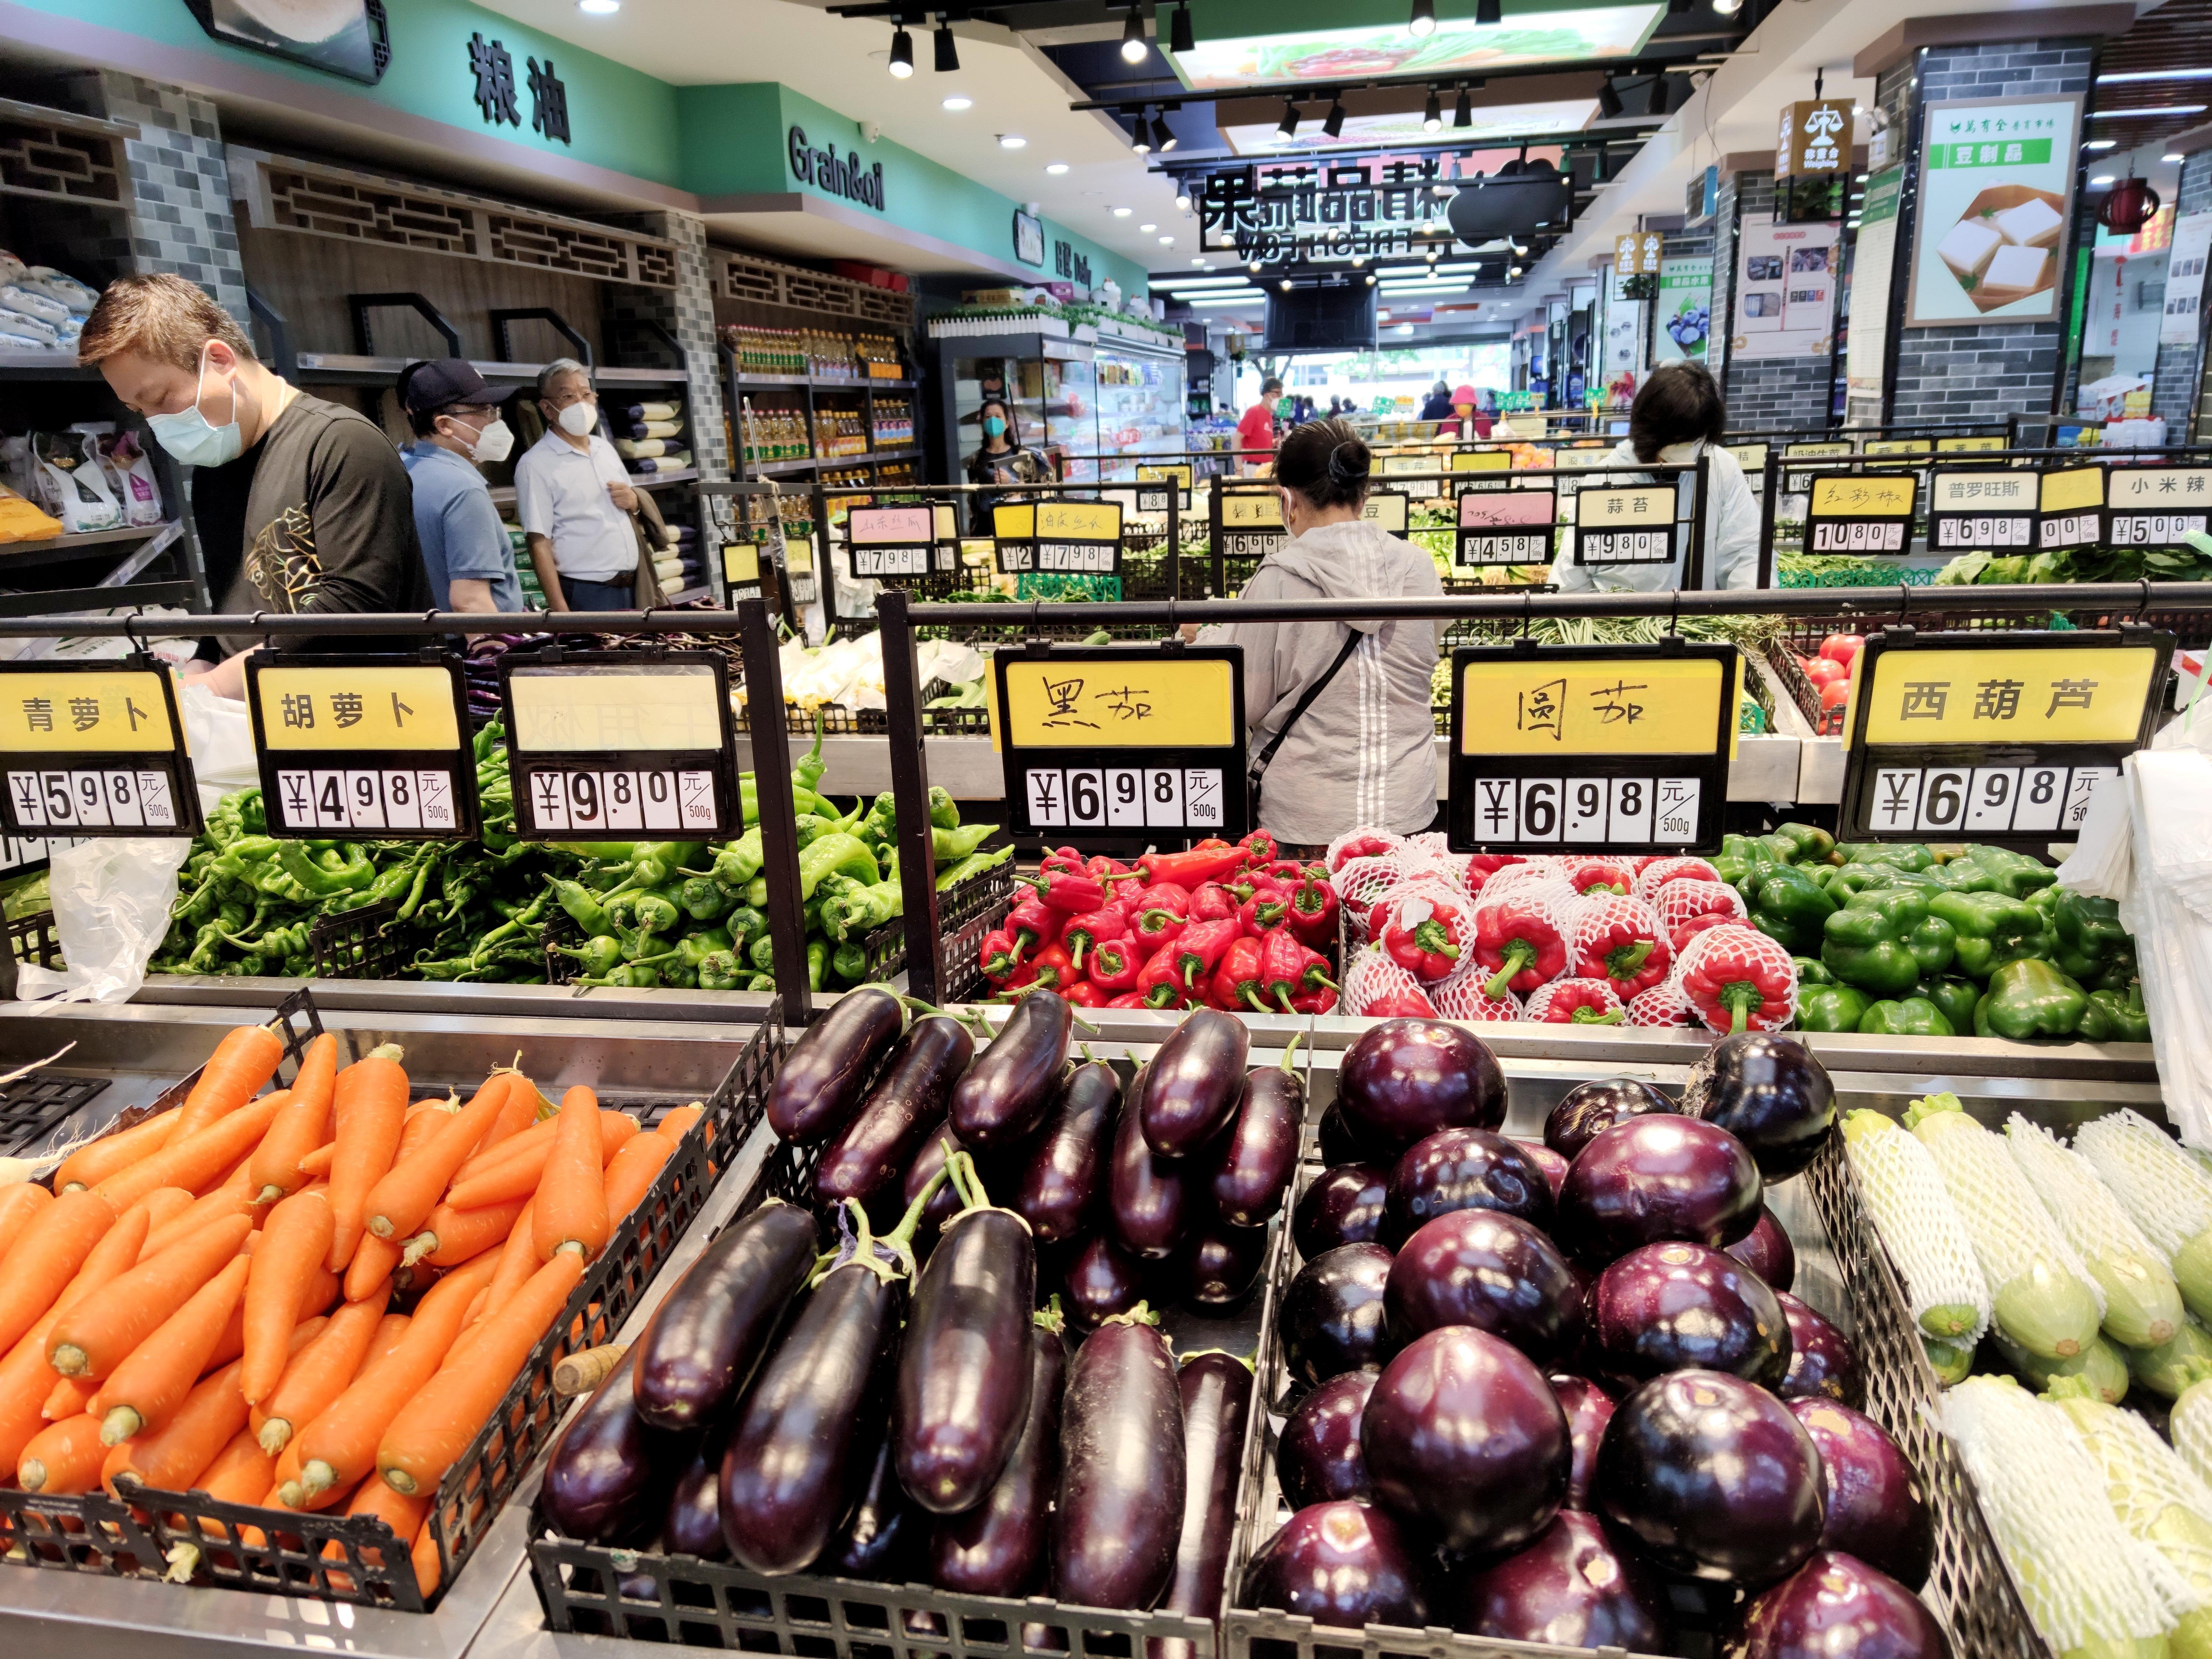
[(2128, 207)]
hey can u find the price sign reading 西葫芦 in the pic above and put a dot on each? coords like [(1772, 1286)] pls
[(93, 749), (1983, 510), (1860, 513), (603, 742), (1625, 526), (2156, 506), (1512, 527), (362, 745)]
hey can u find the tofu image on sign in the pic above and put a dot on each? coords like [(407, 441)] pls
[(2033, 223), (2015, 267), (1968, 249)]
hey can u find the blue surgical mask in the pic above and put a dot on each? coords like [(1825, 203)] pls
[(993, 425), (192, 438)]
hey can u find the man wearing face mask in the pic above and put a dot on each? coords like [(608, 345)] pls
[(300, 507), (458, 431), (575, 499)]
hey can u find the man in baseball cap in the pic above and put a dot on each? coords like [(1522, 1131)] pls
[(458, 432)]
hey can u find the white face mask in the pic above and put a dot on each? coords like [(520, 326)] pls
[(194, 439), (578, 419), (495, 441), (1681, 454)]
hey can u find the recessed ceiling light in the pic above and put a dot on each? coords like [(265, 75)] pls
[(2162, 109), (1011, 141), (958, 101), (1121, 212), (598, 8), (1203, 263), (2102, 143), (1055, 168), (1148, 229), (2100, 181), (1286, 285), (2173, 155), (1167, 241), (1405, 328)]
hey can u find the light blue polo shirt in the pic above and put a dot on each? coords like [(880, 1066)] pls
[(459, 526)]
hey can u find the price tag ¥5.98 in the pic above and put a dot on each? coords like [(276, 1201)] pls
[(362, 745), (93, 749)]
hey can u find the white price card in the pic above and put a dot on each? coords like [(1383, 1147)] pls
[(93, 799)]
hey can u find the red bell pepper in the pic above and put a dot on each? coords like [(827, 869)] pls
[(1157, 929), (1210, 860), (1289, 871), (1114, 965), (1210, 902), (1000, 957), (1092, 929), (1481, 866), (1740, 980), (1068, 891), (1235, 983), (1128, 1000), (1160, 980), (1290, 971), (1681, 938), (1580, 1002), (1083, 994), (1264, 912), (1360, 847), (1034, 923), (1421, 936), (1616, 941), (1322, 1001), (1200, 948), (1516, 944), (1055, 969), (1400, 1005), (1164, 895), (1595, 875), (1062, 858), (1260, 846), (1313, 912), (1105, 871)]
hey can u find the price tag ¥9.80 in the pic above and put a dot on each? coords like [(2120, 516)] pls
[(93, 749), (362, 745)]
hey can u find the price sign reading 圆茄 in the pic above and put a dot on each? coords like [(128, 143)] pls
[(1622, 748), (903, 542), (1995, 736), (364, 745), (2150, 507), (1984, 509), (1122, 740), (93, 749), (1860, 513), (1509, 527), (1246, 523), (603, 742), (1633, 525)]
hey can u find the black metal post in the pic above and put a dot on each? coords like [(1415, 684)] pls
[(1694, 565), (1766, 489), (825, 579), (1174, 539), (779, 825), (917, 857)]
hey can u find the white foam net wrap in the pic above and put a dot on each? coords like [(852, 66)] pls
[(2153, 1493), (1541, 999), (1913, 1212), (1337, 847), (1686, 898), (1362, 881), (1593, 919), (1662, 1004), (1461, 997), (1657, 872), (1740, 943), (2087, 1215), (2011, 1231), (2167, 1192), (1370, 976)]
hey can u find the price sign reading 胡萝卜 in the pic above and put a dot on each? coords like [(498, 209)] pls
[(2073, 509), (904, 542), (1079, 538), (1590, 747), (1122, 739), (602, 742), (1862, 512), (1247, 523), (1625, 526), (93, 749), (362, 745), (2002, 737), (1984, 510), (2156, 506), (1511, 526)]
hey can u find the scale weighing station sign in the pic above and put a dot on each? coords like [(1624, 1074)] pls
[(94, 748), (904, 543), (611, 741), (1982, 510), (1598, 748), (1247, 523), (1861, 513), (2157, 505), (1997, 736), (1633, 525), (2073, 509), (364, 745), (1508, 526), (1127, 740)]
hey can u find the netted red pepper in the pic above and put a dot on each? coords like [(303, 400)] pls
[(1699, 924), (1210, 860), (1360, 847), (1200, 948), (1160, 981), (1480, 866), (1260, 846), (1290, 971), (1421, 936), (1613, 943), (1032, 922), (1517, 945), (1400, 1005), (1068, 891), (1114, 965), (1236, 983), (1054, 969), (1264, 912), (1594, 875), (1090, 929), (1581, 1002), (1739, 978), (1156, 929), (1313, 911), (999, 956), (1083, 994), (1210, 902), (1316, 1002)]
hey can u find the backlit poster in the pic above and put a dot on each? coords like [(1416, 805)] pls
[(1997, 191), (1785, 291)]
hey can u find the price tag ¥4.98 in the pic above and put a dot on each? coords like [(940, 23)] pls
[(93, 749), (604, 742), (364, 745)]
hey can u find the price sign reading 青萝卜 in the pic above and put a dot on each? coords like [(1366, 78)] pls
[(1995, 736), (1860, 513), (1625, 526), (1121, 739), (362, 745), (93, 749)]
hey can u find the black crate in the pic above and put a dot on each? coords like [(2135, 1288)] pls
[(964, 914), (357, 944), (33, 1104), (34, 938)]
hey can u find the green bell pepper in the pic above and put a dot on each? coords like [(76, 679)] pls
[(1830, 1007), (1854, 878), (1789, 907), (2017, 875), (1811, 970), (2113, 1017), (1956, 997), (1907, 1016), (2028, 998), (1992, 930), (2090, 936), (1906, 854), (1885, 941), (1808, 842)]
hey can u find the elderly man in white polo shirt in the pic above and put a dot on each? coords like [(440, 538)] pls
[(576, 499)]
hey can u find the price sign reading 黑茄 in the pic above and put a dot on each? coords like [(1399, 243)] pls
[(1625, 526), (2156, 506), (1995, 736), (2073, 509), (362, 745), (93, 749), (606, 742), (1984, 510), (1862, 512), (903, 543), (1510, 526), (1623, 748), (1247, 523), (1122, 740)]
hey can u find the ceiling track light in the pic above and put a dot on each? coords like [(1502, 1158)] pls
[(1489, 11), (948, 49), (1180, 38), (1423, 22), (1334, 126), (1134, 44), (1140, 134), (1288, 126), (1432, 112), (1463, 112), (902, 63), (1163, 140), (1608, 100)]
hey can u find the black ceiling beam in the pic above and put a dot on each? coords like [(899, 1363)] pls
[(1307, 92)]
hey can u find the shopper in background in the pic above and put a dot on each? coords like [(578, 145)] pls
[(1438, 406), (1255, 433), (300, 507), (1001, 459), (576, 500), (1363, 751), (1677, 417), (466, 553)]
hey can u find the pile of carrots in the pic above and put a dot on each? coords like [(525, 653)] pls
[(206, 1301)]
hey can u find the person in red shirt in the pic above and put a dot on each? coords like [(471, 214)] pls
[(1255, 433)]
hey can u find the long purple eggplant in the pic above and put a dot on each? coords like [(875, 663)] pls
[(944, 1199), (1059, 1186), (607, 1474), (1191, 1087), (694, 1524), (1119, 1513), (1261, 1150), (709, 1336), (1219, 1263), (1217, 1399), (1149, 1196), (1007, 1090), (998, 1547), (788, 1474), (818, 1086), (963, 1388), (1102, 1279), (870, 1154), (881, 1539)]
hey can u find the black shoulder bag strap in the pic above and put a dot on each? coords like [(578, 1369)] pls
[(1260, 763)]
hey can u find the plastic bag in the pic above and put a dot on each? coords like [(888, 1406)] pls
[(111, 900), (220, 733)]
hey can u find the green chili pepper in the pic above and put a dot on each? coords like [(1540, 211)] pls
[(818, 962), (316, 876), (762, 954), (695, 948), (600, 955), (840, 853), (950, 846), (849, 962), (808, 768), (720, 971), (705, 899), (580, 902)]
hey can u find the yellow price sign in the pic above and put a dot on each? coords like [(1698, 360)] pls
[(1178, 474), (1251, 509), (740, 563), (105, 711), (1814, 451), (1551, 705), (1969, 446), (595, 707), (2030, 695), (1387, 508), (359, 709), (1872, 495), (1483, 461), (1121, 702), (1896, 447), (1078, 521), (1982, 492), (1752, 458), (1624, 509), (1014, 521), (2073, 490)]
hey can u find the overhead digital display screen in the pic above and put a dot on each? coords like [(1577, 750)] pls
[(1459, 46)]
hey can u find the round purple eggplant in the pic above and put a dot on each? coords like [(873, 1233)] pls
[(1191, 1087), (1464, 1438), (881, 1539), (706, 1340), (1148, 1197), (1118, 1517), (1344, 1205), (1679, 1307), (1589, 1108), (1216, 1402), (1463, 1170), (1331, 1318), (1654, 1178), (1006, 1092), (1553, 1166), (1318, 1459), (1404, 1079), (1876, 1508), (1219, 1263), (1342, 1564), (606, 1475), (1767, 1251), (1835, 1604), (694, 1523), (1579, 1585), (1059, 1189), (1713, 1477), (1588, 1409), (1491, 1271), (1337, 1143), (997, 1548), (871, 1153), (1823, 1364), (1102, 1279), (817, 1087), (1767, 1091), (1260, 1153)]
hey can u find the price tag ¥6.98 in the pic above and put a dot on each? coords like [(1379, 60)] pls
[(93, 749), (1986, 509), (362, 745)]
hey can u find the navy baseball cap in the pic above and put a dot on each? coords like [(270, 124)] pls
[(437, 382)]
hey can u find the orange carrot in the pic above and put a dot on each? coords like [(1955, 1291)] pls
[(517, 1261), (193, 1161), (677, 1123), (433, 1429), (518, 1176), (402, 1515), (450, 1237), (519, 1112), (88, 1166), (412, 1186), (162, 1206), (372, 1117), (225, 1201), (20, 1206), (424, 1119), (318, 1163), (570, 1209), (25, 1382), (339, 1447), (47, 1257), (319, 1373), (424, 1555), (293, 1245), (374, 1259), (69, 1396), (62, 1457), (93, 1338), (240, 1474), (245, 1059), (632, 1174), (115, 1255), (534, 1143), (173, 1457), (302, 1125), (144, 1391)]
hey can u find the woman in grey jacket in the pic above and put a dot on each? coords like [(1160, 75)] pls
[(1364, 756)]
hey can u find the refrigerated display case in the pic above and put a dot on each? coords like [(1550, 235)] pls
[(1140, 406), (1071, 414)]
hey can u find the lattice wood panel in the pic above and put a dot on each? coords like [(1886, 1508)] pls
[(749, 278), (52, 157)]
